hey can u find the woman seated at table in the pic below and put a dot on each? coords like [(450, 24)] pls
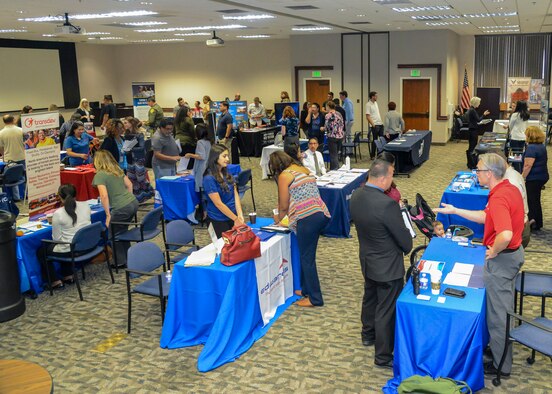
[(113, 142), (67, 220), (201, 154), (77, 145), (185, 133), (116, 192), (299, 199), (223, 201), (535, 172)]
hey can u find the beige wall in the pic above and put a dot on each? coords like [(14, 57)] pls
[(97, 71)]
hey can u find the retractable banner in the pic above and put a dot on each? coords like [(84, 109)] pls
[(42, 179), (141, 91)]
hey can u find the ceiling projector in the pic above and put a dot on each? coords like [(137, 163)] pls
[(215, 41), (69, 28)]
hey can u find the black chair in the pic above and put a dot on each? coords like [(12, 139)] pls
[(143, 258), (145, 230), (354, 145), (87, 243), (180, 234), (245, 183), (379, 146), (534, 284), (13, 176)]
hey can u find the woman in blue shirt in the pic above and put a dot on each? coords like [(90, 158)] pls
[(535, 172), (77, 145), (223, 202), (290, 126)]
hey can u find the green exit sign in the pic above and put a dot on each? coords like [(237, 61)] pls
[(414, 73), (317, 74)]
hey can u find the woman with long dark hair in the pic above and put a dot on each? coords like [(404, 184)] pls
[(113, 142), (299, 200), (77, 144), (223, 201), (185, 133), (134, 131), (517, 126), (201, 154), (67, 220)]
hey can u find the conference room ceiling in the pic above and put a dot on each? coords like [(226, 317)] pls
[(193, 21)]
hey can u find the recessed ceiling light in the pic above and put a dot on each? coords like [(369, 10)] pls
[(489, 15), (502, 31), (499, 27), (145, 3), (446, 23), (249, 17), (255, 36), (110, 38), (341, 9), (48, 35), (146, 23), (161, 40), (315, 28), (171, 29), (420, 9), (361, 15), (121, 14), (192, 34), (20, 12), (13, 31), (96, 33), (434, 17)]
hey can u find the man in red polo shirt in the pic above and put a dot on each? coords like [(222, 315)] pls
[(503, 218)]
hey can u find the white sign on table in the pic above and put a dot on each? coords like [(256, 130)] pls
[(274, 275), (43, 179), (39, 121)]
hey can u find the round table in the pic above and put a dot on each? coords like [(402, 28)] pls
[(18, 376)]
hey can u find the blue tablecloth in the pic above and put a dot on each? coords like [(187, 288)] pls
[(27, 245), (442, 339), (337, 201), (474, 199), (179, 196), (411, 152), (218, 306)]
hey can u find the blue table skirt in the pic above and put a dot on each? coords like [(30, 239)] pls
[(474, 199), (179, 196), (447, 339), (337, 201), (30, 272), (218, 306)]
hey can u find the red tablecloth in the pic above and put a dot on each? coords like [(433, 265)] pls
[(82, 180)]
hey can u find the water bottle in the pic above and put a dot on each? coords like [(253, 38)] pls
[(168, 275), (448, 234), (348, 163), (424, 280), (416, 280)]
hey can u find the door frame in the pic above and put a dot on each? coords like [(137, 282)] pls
[(430, 96), (313, 79)]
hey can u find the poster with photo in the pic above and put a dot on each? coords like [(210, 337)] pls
[(518, 89), (141, 91), (40, 129), (43, 180), (238, 110), (537, 91)]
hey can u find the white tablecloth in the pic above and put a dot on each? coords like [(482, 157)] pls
[(498, 125), (265, 156)]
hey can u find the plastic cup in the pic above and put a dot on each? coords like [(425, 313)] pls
[(253, 217), (49, 217), (436, 281)]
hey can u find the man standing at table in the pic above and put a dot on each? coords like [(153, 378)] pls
[(383, 239), (256, 112), (313, 159), (374, 119), (503, 218), (165, 150), (225, 126), (109, 111), (347, 105), (12, 147)]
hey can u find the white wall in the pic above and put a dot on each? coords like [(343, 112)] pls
[(98, 71)]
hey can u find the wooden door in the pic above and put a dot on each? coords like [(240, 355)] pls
[(415, 103), (317, 90)]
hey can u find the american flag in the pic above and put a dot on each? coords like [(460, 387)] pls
[(465, 103)]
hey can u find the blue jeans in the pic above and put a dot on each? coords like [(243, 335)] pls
[(15, 192), (308, 232)]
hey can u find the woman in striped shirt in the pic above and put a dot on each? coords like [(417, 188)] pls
[(299, 199)]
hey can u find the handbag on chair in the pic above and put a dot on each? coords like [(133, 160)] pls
[(240, 244)]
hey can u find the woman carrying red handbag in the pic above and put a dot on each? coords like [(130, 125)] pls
[(299, 199), (223, 201)]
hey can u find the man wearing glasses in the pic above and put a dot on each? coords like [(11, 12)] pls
[(503, 218)]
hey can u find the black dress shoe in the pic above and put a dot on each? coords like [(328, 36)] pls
[(489, 369), (388, 364), (368, 342)]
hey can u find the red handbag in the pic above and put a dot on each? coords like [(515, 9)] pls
[(240, 244)]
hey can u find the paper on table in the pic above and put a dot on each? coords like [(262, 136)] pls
[(71, 169), (129, 144), (455, 279), (462, 268), (183, 165), (393, 143), (408, 224), (170, 177), (202, 257)]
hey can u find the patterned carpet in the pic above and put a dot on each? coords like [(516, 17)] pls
[(85, 347)]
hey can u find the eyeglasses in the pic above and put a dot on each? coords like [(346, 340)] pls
[(477, 170)]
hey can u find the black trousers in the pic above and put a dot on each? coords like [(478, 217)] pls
[(308, 233), (378, 315), (334, 146), (534, 189), (377, 131), (472, 140), (221, 227), (48, 269), (188, 149)]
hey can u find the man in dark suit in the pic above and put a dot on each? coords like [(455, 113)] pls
[(383, 240)]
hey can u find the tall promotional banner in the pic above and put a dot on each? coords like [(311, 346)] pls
[(518, 89), (42, 179), (40, 129), (141, 91)]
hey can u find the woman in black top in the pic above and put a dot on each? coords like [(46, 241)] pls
[(473, 120), (113, 142)]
